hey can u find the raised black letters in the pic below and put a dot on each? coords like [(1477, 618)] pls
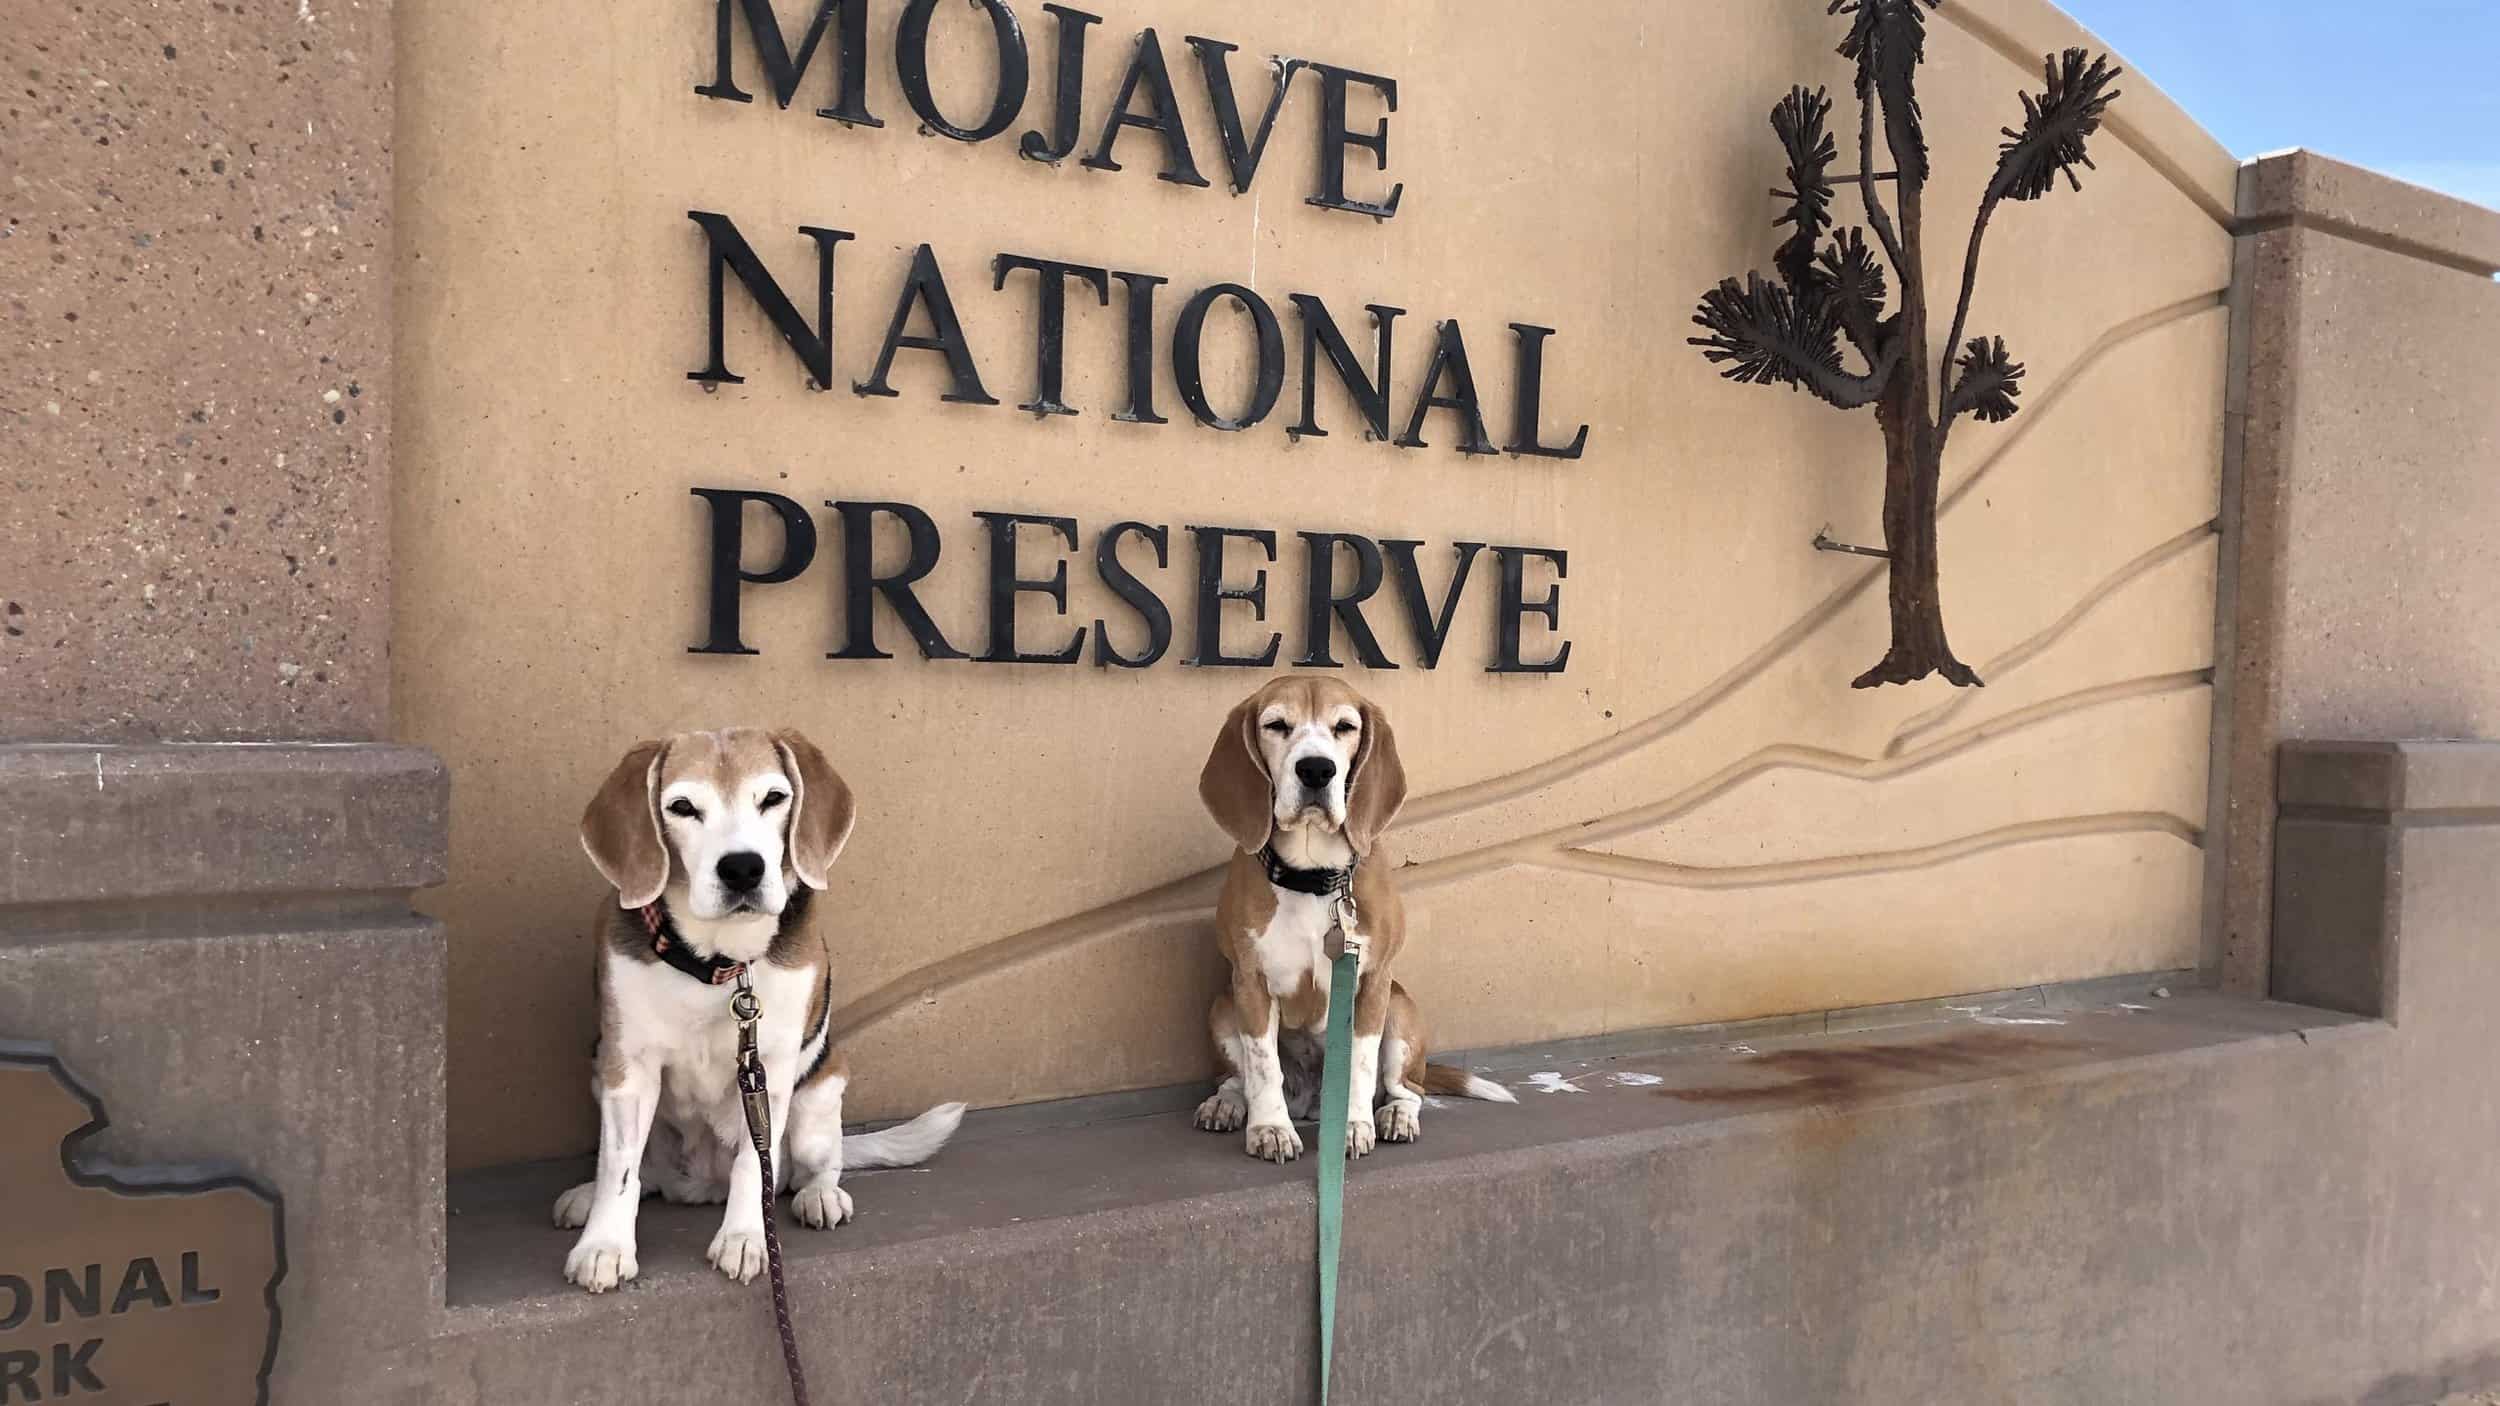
[(1512, 604), (1146, 69), (1051, 321), (1322, 601), (728, 574), (1126, 586), (1005, 585), (927, 284), (861, 583), (1212, 593), (1432, 630), (1241, 152), (1267, 378), (911, 65), (784, 72), (1527, 391), (1371, 393), (1449, 359), (730, 253), (1335, 137), (1141, 348), (1054, 147)]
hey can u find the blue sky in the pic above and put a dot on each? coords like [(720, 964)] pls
[(2410, 87)]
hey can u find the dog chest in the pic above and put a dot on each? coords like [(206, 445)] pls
[(1292, 956)]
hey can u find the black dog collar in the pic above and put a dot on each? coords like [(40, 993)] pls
[(666, 945), (1319, 883)]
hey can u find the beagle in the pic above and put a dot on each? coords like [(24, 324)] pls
[(1305, 776), (715, 842)]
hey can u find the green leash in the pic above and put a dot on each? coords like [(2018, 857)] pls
[(1336, 1074)]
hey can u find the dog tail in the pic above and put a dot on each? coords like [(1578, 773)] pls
[(905, 1144), (1458, 1083)]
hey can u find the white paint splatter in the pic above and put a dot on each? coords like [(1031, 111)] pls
[(1633, 1079), (1552, 1082), (2132, 1006), (99, 771), (1981, 1016), (1742, 1049)]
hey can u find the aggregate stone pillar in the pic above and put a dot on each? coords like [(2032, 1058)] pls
[(2362, 487), (206, 848)]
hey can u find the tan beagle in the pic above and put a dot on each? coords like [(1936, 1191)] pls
[(715, 842), (1305, 776)]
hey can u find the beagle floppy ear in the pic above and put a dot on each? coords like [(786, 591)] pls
[(1234, 784), (821, 808), (621, 828), (1375, 785)]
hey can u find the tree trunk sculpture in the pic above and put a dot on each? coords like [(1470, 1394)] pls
[(1788, 330)]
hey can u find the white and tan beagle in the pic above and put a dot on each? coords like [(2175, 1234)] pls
[(1305, 777), (715, 842)]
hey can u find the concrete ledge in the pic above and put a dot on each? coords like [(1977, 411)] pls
[(115, 824), (2306, 189), (1645, 1227), (2415, 780)]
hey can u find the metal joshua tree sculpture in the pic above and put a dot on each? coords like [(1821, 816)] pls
[(1788, 331)]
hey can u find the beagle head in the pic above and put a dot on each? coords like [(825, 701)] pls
[(723, 822), (1304, 752)]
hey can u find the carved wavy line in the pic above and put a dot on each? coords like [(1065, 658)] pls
[(1807, 871), (2030, 649), (1460, 799), (1790, 755), (1192, 896), (1164, 902), (2119, 123)]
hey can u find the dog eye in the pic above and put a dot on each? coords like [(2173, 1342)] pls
[(684, 807), (1277, 726), (771, 799), (1345, 727)]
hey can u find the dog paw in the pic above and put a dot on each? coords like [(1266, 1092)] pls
[(573, 1207), (738, 1254), (821, 1207), (1273, 1142), (600, 1265), (1401, 1122), (1224, 1112), (1359, 1138)]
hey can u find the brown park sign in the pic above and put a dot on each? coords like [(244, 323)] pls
[(122, 1286)]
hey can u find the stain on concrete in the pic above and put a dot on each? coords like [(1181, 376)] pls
[(1821, 1074)]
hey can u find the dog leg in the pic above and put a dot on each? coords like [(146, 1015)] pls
[(737, 1250), (1401, 1065), (1271, 1135), (604, 1256), (1371, 1018), (816, 1154), (1227, 1109)]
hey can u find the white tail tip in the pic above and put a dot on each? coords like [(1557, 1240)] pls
[(1480, 1087), (904, 1145)]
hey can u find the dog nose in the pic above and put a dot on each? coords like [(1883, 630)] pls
[(1315, 771), (740, 872)]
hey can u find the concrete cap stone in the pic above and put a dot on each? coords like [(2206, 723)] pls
[(2390, 778), (2307, 189), (89, 824)]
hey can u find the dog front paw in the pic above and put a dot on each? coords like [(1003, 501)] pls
[(1401, 1122), (821, 1207), (1359, 1138), (1273, 1142), (1224, 1112), (738, 1254), (600, 1265), (573, 1207)]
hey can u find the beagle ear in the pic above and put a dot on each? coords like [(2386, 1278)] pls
[(821, 808), (1376, 786), (1234, 784), (621, 828)]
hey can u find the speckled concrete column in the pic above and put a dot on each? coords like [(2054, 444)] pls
[(2362, 518), (205, 905), (195, 279)]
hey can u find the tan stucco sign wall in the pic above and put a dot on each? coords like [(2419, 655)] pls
[(1695, 820)]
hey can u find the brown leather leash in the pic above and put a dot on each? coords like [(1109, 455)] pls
[(744, 1005)]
